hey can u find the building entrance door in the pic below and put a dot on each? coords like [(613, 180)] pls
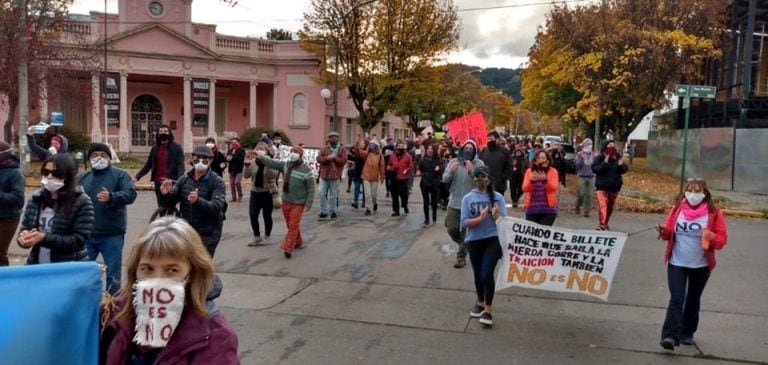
[(146, 117)]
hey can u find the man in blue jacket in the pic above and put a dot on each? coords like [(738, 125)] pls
[(11, 198), (110, 189)]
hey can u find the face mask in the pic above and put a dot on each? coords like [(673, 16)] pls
[(400, 151), (610, 151), (482, 183), (235, 145), (491, 143), (200, 166), (210, 145), (52, 185), (53, 150), (293, 157), (277, 140), (372, 146), (164, 137), (587, 148), (694, 199), (260, 153), (99, 163), (158, 304), (544, 164)]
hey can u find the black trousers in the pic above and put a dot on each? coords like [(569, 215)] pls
[(516, 188), (543, 219), (429, 194), (399, 193), (685, 288), (260, 202)]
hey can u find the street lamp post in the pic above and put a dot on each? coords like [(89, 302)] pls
[(325, 92)]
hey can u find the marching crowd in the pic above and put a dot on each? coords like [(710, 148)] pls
[(79, 216)]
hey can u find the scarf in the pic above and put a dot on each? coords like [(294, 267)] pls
[(287, 183), (260, 175), (691, 213), (334, 150)]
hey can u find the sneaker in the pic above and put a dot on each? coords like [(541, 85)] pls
[(287, 254), (266, 241), (322, 216), (354, 205), (375, 207), (668, 344), (486, 319), (395, 214), (460, 262), (434, 218), (257, 241), (333, 216), (387, 196), (367, 212), (476, 312), (586, 215), (688, 341), (425, 224)]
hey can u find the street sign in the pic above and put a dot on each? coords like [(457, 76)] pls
[(57, 119), (686, 103), (698, 91), (682, 90)]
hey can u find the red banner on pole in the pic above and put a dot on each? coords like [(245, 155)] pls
[(470, 126)]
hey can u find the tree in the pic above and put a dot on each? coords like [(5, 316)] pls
[(51, 53), (378, 46), (279, 35), (616, 61)]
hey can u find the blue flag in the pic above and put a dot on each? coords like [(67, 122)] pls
[(49, 314)]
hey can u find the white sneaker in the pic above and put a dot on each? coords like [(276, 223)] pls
[(266, 241), (257, 241)]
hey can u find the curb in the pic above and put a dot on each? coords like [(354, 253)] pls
[(664, 208)]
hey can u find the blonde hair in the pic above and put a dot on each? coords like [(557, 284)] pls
[(174, 238)]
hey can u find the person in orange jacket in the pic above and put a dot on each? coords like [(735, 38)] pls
[(694, 229), (540, 185)]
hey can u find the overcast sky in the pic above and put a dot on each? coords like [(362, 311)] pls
[(489, 37)]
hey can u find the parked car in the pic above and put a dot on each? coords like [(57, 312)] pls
[(569, 153)]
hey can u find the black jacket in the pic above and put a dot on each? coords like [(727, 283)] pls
[(219, 163), (499, 161), (236, 163), (519, 165), (69, 231), (430, 177), (608, 175), (206, 216), (175, 162), (112, 216), (11, 188)]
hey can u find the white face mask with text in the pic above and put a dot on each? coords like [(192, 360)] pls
[(158, 304)]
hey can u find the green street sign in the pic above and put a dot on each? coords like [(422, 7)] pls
[(698, 91), (686, 103)]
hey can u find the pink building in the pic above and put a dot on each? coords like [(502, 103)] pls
[(165, 69)]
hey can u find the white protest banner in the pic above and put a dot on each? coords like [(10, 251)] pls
[(557, 259), (283, 152), (158, 304), (310, 158)]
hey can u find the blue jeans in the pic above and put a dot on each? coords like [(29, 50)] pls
[(111, 249), (358, 188), (685, 288), (484, 254), (329, 194)]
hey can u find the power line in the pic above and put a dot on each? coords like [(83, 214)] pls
[(521, 5)]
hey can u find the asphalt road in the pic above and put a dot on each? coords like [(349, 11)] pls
[(383, 290)]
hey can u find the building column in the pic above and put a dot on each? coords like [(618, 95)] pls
[(212, 107), (43, 99), (96, 108), (124, 135), (274, 105), (187, 129), (252, 105)]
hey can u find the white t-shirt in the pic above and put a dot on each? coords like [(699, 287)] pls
[(687, 251), (44, 225)]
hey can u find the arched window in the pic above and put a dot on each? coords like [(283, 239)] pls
[(300, 111)]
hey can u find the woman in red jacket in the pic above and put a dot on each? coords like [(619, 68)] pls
[(400, 165), (694, 229)]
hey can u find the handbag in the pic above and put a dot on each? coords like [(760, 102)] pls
[(277, 202)]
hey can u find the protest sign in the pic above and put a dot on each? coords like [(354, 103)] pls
[(310, 158), (158, 304), (557, 259), (470, 126), (283, 152), (49, 313)]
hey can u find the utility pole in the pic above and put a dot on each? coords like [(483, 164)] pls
[(23, 80), (596, 143)]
